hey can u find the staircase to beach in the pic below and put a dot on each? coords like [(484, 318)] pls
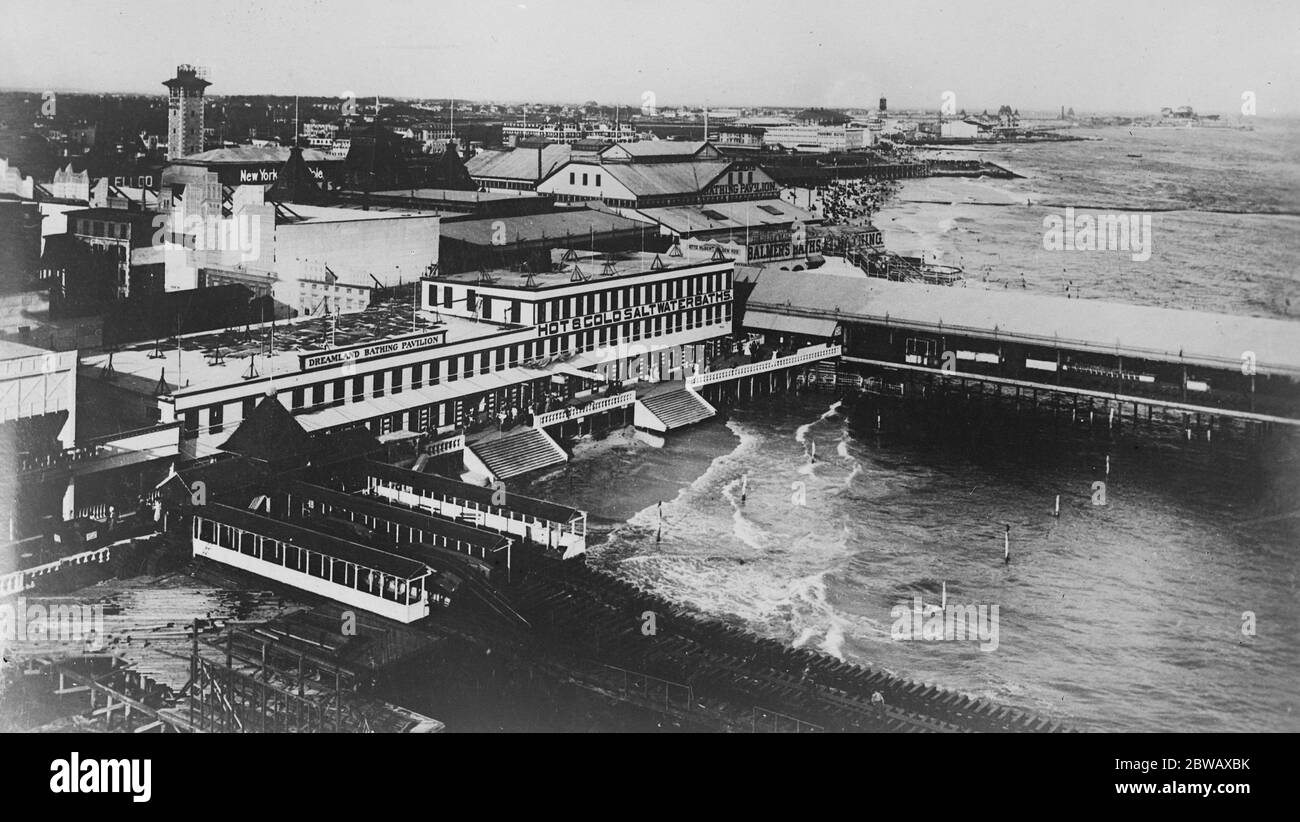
[(671, 410), (519, 453)]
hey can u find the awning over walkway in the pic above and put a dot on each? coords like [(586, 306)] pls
[(808, 326)]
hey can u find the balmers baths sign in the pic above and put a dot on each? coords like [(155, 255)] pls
[(383, 349), (636, 312)]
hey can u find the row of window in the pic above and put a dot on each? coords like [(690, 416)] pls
[(100, 228), (733, 178), (688, 199), (306, 561), (450, 369), (592, 302), (509, 185)]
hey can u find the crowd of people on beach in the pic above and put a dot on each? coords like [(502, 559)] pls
[(853, 202)]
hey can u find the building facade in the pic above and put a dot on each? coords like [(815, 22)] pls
[(819, 139), (126, 236), (657, 174), (478, 345)]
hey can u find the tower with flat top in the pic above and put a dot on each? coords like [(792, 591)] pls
[(185, 111)]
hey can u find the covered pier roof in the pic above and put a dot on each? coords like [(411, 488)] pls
[(1144, 332), (491, 540), (289, 534), (481, 496)]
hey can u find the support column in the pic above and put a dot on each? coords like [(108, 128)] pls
[(70, 500)]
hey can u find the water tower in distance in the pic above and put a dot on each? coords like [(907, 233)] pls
[(185, 111)]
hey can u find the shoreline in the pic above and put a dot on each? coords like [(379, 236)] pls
[(617, 477)]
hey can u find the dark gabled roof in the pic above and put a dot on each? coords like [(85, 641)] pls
[(224, 476), (294, 183), (270, 434)]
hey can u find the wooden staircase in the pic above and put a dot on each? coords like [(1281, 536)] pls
[(522, 452), (671, 410)]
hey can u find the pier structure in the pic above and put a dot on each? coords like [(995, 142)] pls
[(342, 570), (698, 674), (1125, 362), (763, 376), (299, 673), (403, 526), (531, 521), (358, 548)]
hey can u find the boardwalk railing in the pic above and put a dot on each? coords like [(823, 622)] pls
[(19, 581), (60, 459), (636, 686), (92, 449), (445, 446), (803, 356), (574, 412), (765, 720)]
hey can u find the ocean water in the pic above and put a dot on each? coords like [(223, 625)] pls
[(1121, 616), (1224, 209)]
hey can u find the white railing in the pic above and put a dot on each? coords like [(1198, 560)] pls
[(812, 353), (456, 443), (98, 511), (575, 412), (572, 537), (12, 583), (19, 581)]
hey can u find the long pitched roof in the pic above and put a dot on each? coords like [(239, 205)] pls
[(658, 148), (1164, 334), (578, 222), (519, 163), (253, 154), (735, 215), (666, 179)]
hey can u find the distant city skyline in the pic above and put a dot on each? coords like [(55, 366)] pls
[(1120, 58)]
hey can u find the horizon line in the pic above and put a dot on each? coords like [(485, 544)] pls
[(632, 107)]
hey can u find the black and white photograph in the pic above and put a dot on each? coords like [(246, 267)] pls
[(712, 367)]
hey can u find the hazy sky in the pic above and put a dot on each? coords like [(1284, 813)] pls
[(1032, 54)]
